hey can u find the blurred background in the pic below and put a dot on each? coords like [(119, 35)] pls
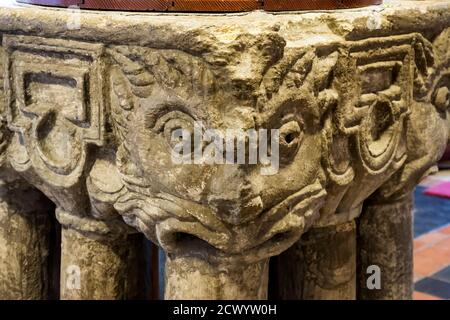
[(432, 234)]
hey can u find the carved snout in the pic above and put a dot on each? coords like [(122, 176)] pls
[(272, 232), (232, 196)]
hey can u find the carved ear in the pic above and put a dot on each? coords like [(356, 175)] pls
[(138, 72), (323, 75), (303, 76), (54, 105)]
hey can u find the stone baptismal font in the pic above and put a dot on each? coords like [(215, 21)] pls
[(357, 91)]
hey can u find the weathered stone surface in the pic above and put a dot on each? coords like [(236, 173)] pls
[(321, 266), (101, 267), (360, 98), (190, 277), (26, 219), (385, 234)]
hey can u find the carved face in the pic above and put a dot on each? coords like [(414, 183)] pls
[(342, 126), (224, 208), (348, 117)]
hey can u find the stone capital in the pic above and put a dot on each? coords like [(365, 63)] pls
[(360, 99)]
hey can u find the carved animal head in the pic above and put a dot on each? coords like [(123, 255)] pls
[(347, 115), (229, 209), (342, 115)]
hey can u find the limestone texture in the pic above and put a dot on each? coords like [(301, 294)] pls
[(89, 104)]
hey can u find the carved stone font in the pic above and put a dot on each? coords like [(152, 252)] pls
[(360, 101)]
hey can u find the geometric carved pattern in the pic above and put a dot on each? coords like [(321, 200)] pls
[(378, 80), (386, 74), (54, 104), (385, 70)]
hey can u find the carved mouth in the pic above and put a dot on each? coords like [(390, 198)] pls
[(271, 233)]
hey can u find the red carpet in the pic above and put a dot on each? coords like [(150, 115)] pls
[(439, 190)]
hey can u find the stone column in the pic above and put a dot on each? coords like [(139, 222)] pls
[(100, 260), (322, 265), (25, 227), (188, 277), (385, 240)]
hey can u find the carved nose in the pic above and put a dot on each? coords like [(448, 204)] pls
[(232, 197)]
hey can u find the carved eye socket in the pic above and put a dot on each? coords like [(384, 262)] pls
[(290, 138), (177, 127)]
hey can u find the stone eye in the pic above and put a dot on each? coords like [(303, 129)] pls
[(290, 138), (177, 127)]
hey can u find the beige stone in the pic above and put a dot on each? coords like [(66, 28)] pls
[(322, 265), (25, 242), (360, 98)]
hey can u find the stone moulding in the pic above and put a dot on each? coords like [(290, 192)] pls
[(360, 98)]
